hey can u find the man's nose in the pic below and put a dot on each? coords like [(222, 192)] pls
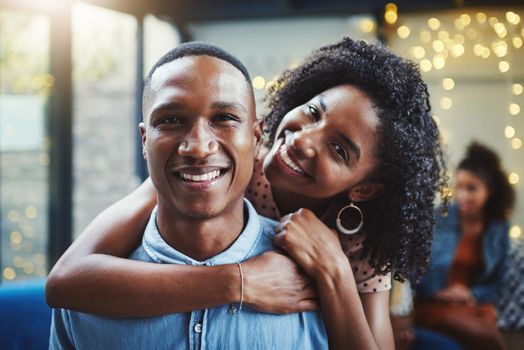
[(199, 142)]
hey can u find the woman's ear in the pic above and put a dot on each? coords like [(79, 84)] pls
[(366, 192)]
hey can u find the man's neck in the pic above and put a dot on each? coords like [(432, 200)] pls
[(201, 238)]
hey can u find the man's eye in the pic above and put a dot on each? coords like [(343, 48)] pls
[(340, 151), (314, 112), (225, 118), (170, 120)]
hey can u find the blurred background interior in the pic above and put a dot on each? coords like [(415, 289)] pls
[(71, 78)]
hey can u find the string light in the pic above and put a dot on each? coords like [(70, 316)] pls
[(9, 273), (425, 36), (446, 103), (258, 82), (516, 143), (448, 84), (515, 232), (486, 52), (465, 18), (367, 26), (509, 132), (457, 50), (500, 29), (439, 62), (443, 35), (517, 42), (512, 17), (15, 237), (438, 46), (514, 109), (478, 49), (492, 21), (425, 65), (403, 32), (499, 48), (30, 212), (513, 178), (437, 120), (13, 216), (391, 15), (433, 23), (481, 17), (503, 66), (517, 89), (418, 52)]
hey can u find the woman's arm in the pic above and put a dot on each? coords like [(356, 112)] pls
[(352, 320), (93, 277)]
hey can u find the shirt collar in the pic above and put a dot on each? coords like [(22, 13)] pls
[(161, 252)]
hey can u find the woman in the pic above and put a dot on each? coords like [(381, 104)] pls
[(458, 293), (348, 128)]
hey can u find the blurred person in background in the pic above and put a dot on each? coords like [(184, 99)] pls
[(458, 293)]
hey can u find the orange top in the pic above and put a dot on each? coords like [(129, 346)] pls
[(467, 261)]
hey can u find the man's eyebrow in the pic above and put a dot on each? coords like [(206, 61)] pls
[(226, 105), (322, 103), (166, 106), (354, 147)]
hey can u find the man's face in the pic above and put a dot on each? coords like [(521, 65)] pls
[(199, 136)]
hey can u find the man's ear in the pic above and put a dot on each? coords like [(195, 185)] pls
[(366, 192), (142, 128), (257, 128)]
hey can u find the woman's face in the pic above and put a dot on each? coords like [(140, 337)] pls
[(471, 193), (325, 146)]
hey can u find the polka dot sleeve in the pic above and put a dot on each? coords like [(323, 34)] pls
[(367, 280)]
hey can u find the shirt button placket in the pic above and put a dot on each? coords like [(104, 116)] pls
[(195, 330)]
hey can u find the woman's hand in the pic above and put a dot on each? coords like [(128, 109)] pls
[(314, 246), (273, 283), (456, 293)]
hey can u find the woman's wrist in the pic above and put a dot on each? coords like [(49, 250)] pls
[(337, 269)]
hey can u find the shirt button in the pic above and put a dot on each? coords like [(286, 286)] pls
[(198, 328)]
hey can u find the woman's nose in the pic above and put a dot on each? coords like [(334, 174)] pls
[(305, 142)]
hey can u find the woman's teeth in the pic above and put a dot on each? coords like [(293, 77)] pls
[(203, 177), (285, 157)]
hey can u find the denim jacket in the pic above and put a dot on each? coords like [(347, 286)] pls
[(495, 246)]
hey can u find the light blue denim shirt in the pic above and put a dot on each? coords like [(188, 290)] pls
[(213, 328)]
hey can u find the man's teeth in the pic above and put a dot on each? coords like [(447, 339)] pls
[(203, 177), (285, 157)]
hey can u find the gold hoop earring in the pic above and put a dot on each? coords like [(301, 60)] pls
[(353, 230)]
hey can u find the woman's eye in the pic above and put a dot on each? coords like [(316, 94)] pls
[(341, 152), (313, 110)]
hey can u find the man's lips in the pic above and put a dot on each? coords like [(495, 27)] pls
[(201, 174)]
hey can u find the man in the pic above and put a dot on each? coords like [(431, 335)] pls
[(200, 137)]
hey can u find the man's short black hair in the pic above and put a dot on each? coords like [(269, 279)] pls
[(196, 48), (193, 48)]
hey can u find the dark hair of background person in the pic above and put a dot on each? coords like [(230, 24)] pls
[(485, 164), (398, 224)]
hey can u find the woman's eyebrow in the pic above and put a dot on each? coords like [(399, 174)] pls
[(322, 103), (354, 147)]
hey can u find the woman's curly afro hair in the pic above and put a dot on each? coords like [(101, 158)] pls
[(399, 224), (486, 164)]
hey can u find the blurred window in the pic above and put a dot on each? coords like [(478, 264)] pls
[(25, 85)]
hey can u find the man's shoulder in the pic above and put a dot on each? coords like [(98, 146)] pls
[(267, 225)]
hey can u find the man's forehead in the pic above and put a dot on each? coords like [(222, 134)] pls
[(193, 67)]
